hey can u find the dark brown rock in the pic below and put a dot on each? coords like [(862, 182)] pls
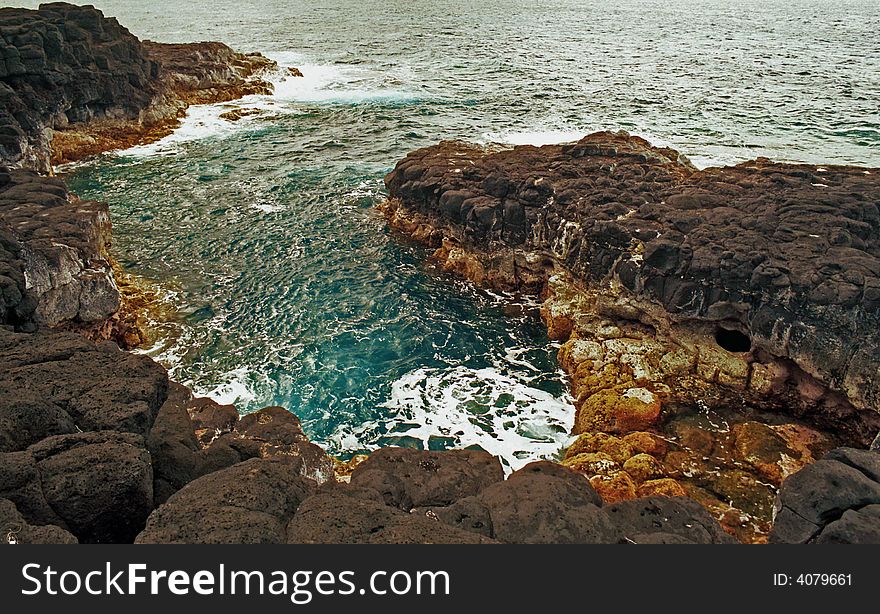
[(667, 520), (20, 483), (853, 527), (544, 503), (821, 494), (14, 529), (468, 514), (99, 483), (210, 419), (424, 478), (250, 502), (69, 383), (335, 518)]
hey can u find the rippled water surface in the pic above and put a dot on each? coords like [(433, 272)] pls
[(288, 288)]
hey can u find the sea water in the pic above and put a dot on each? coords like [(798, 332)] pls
[(285, 286)]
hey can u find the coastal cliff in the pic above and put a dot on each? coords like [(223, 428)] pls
[(98, 445), (74, 83)]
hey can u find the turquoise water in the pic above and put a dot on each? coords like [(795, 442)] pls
[(288, 288)]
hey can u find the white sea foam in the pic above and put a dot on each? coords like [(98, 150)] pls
[(266, 207), (205, 121), (465, 407), (320, 83), (338, 84), (535, 137), (237, 388)]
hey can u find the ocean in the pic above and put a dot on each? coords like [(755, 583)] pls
[(283, 285)]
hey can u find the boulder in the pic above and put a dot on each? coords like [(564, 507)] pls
[(667, 520), (545, 503), (417, 478), (67, 67), (821, 495), (853, 527), (468, 514), (248, 503), (334, 517), (99, 483)]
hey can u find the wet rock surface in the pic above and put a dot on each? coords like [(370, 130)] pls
[(74, 83)]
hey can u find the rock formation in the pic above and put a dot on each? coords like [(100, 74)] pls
[(747, 297), (752, 290), (54, 257), (833, 501), (74, 83)]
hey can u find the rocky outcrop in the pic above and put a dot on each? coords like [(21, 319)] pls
[(93, 439), (732, 312), (74, 83), (395, 496), (669, 287), (775, 266), (60, 383), (408, 479), (55, 268)]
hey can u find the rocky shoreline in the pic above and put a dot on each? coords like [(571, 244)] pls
[(74, 83), (720, 327), (98, 445)]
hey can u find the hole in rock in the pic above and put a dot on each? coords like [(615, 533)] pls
[(732, 340)]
